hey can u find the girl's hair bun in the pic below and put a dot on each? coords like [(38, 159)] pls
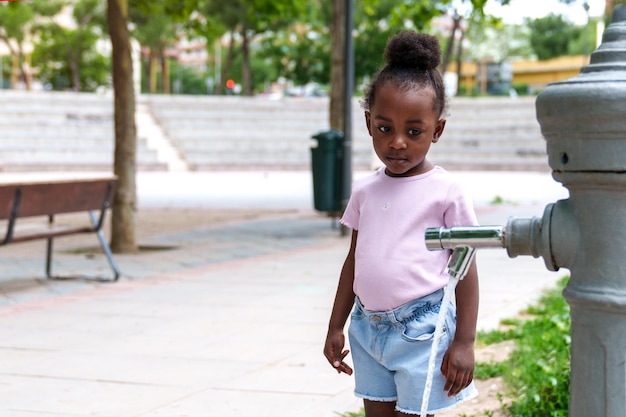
[(409, 49)]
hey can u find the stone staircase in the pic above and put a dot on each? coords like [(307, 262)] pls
[(43, 131), (46, 131), (492, 134), (236, 133)]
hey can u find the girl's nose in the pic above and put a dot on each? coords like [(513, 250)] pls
[(398, 142)]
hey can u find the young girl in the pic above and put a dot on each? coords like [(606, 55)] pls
[(394, 283)]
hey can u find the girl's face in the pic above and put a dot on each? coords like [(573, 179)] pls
[(403, 124)]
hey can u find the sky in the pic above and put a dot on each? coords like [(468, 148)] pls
[(517, 10)]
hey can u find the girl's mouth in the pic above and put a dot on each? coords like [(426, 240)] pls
[(396, 159)]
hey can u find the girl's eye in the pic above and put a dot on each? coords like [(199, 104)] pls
[(414, 132), (384, 129)]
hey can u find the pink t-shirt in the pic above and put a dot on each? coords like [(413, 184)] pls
[(391, 214)]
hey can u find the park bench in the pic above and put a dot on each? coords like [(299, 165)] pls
[(34, 199)]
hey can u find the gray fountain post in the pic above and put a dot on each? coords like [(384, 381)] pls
[(583, 120)]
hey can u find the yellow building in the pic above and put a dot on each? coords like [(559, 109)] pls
[(535, 74)]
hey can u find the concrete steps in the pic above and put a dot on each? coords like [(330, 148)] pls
[(46, 131), (495, 133), (217, 133), (69, 131)]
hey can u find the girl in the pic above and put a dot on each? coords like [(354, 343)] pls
[(394, 283)]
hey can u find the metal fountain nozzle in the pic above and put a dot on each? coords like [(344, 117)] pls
[(460, 260), (463, 241), (472, 236), (553, 237)]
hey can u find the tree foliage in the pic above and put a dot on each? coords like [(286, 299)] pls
[(300, 52), (245, 20), (68, 58), (265, 39), (14, 19), (156, 31), (550, 36)]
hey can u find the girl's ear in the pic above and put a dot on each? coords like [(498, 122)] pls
[(441, 124), (368, 122)]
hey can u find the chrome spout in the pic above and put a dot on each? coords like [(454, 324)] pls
[(535, 236), (438, 238), (460, 260), (463, 241)]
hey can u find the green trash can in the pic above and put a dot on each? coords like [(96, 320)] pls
[(327, 166)]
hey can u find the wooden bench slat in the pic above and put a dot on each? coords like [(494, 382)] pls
[(43, 199)]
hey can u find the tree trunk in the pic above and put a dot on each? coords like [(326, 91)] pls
[(450, 46), (165, 73), (247, 76), (14, 61), (124, 204), (152, 69), (229, 60), (15, 71), (73, 64), (74, 57), (337, 109), (23, 67), (459, 63)]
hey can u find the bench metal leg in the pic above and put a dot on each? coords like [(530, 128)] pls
[(104, 245)]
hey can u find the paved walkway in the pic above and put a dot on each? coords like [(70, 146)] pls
[(230, 323)]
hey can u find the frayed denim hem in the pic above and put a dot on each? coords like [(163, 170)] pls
[(438, 410), (377, 399)]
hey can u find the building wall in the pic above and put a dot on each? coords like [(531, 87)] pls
[(535, 74)]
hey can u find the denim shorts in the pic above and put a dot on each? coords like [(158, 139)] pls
[(390, 351)]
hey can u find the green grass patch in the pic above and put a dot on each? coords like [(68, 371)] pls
[(537, 372), (486, 370), (499, 200)]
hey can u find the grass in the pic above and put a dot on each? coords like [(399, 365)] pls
[(499, 200), (536, 372)]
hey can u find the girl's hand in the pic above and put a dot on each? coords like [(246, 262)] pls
[(333, 350), (458, 367)]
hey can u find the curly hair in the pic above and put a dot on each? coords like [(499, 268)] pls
[(411, 62)]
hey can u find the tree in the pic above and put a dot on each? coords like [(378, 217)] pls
[(15, 21), (610, 6), (337, 111), (123, 239), (211, 29), (245, 19), (67, 57), (499, 42), (16, 27), (300, 52), (551, 35), (156, 30)]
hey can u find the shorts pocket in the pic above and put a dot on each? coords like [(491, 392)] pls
[(421, 328), (357, 314)]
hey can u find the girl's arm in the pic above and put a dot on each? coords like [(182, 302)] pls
[(344, 301), (458, 362)]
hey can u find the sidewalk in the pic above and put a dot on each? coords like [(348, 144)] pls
[(227, 320)]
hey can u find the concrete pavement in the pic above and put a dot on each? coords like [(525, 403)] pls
[(230, 322)]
